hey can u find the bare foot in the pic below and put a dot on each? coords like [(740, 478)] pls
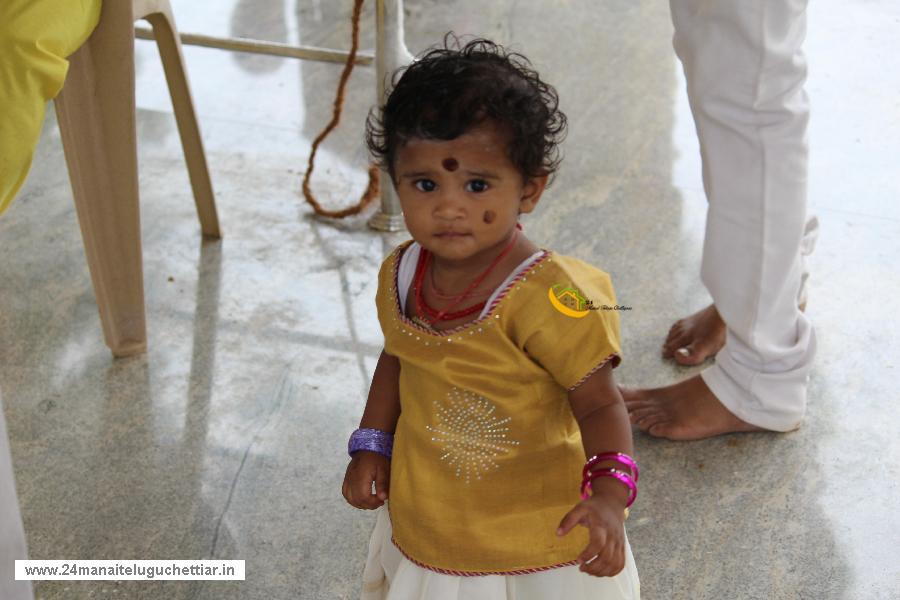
[(687, 410), (693, 339)]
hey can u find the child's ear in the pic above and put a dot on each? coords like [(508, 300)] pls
[(531, 193)]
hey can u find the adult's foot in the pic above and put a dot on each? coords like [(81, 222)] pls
[(693, 339), (687, 410)]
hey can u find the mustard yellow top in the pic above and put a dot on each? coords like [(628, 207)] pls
[(487, 455)]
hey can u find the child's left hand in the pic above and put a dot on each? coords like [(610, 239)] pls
[(604, 518)]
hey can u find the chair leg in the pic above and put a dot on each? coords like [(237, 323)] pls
[(97, 124), (159, 14)]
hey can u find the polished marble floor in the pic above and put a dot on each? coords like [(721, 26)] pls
[(227, 439)]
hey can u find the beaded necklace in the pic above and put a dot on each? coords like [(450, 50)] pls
[(428, 316)]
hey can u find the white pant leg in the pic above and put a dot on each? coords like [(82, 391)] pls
[(745, 72), (12, 535)]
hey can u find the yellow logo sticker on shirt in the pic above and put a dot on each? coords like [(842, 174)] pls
[(569, 301)]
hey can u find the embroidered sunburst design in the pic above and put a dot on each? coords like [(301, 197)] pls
[(471, 434)]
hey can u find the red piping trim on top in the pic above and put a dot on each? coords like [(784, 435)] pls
[(597, 368), (515, 280), (478, 573)]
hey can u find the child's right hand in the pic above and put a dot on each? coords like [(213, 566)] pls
[(364, 468)]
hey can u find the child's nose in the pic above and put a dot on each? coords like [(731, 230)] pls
[(449, 206)]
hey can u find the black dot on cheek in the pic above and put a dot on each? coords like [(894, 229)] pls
[(489, 216), (450, 164)]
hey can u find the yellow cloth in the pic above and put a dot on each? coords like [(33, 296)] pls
[(487, 455), (36, 36)]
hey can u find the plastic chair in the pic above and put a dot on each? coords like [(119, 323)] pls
[(96, 114)]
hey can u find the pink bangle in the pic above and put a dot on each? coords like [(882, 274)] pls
[(619, 457), (620, 475)]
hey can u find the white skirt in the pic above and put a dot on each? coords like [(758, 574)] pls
[(389, 575)]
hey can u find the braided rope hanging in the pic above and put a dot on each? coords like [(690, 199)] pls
[(372, 189)]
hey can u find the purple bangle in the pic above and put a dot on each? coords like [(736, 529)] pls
[(373, 440), (618, 457), (620, 475)]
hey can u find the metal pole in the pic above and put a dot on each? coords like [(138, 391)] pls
[(390, 54)]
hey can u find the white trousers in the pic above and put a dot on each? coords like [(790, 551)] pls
[(745, 71), (12, 535)]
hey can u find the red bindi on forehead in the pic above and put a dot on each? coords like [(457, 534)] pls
[(451, 164)]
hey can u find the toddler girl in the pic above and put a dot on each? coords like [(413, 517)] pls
[(495, 382)]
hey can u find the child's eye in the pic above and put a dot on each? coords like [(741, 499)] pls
[(425, 185), (477, 185)]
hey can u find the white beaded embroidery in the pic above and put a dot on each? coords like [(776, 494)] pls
[(471, 435)]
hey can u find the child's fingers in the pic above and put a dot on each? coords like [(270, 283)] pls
[(359, 486), (609, 562), (572, 518), (599, 567), (364, 494), (382, 479), (346, 488), (595, 547), (358, 482), (362, 483), (617, 561)]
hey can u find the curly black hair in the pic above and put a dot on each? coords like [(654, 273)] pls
[(449, 90)]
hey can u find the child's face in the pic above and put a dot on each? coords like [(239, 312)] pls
[(462, 197)]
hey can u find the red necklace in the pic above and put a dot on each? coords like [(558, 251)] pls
[(437, 293), (434, 315)]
